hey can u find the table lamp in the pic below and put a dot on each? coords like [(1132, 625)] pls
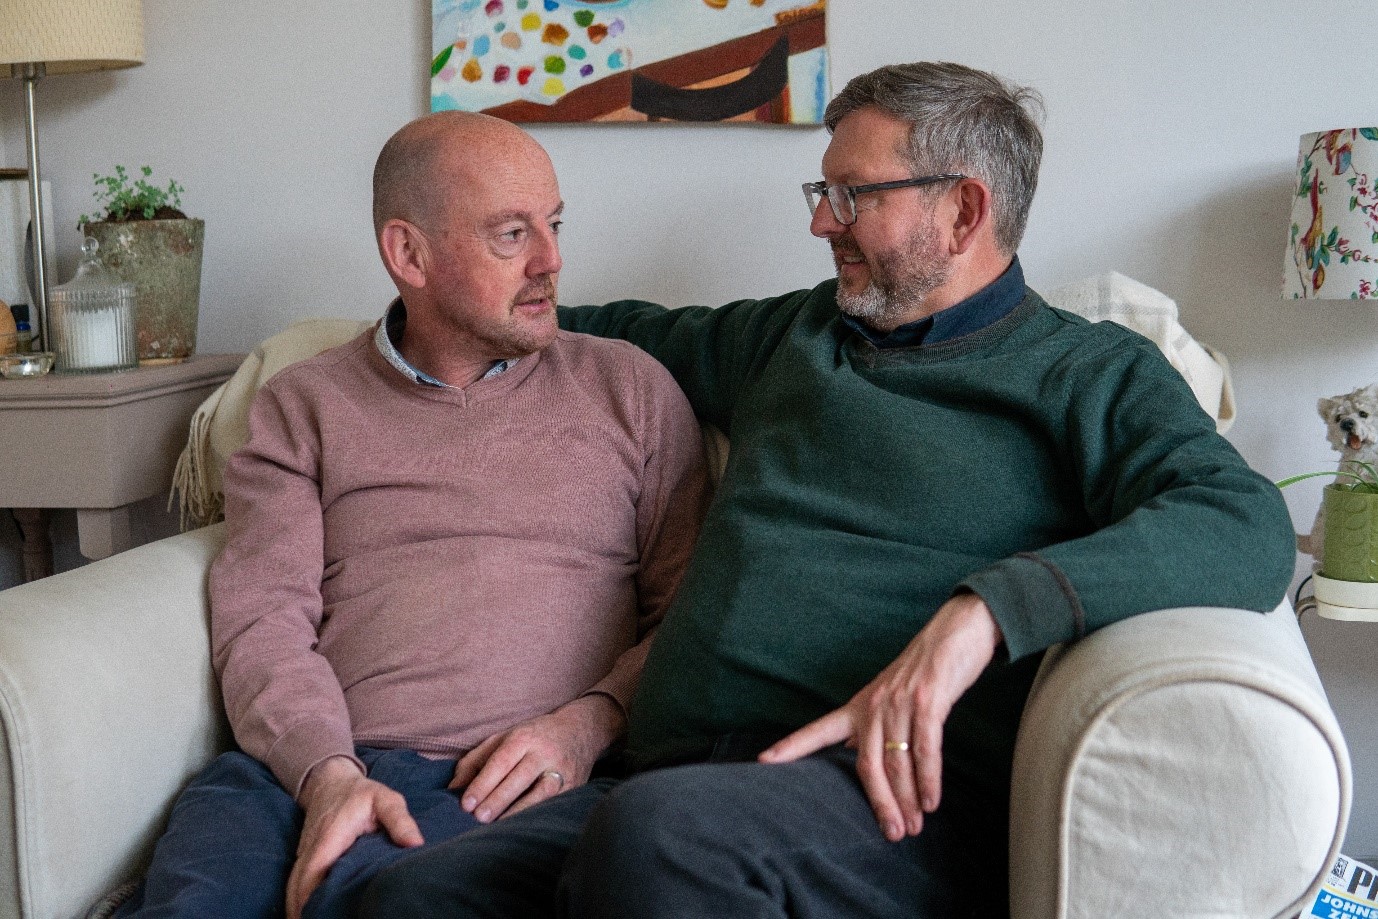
[(1332, 254), (40, 37), (1332, 251)]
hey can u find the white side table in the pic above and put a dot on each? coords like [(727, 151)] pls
[(97, 443)]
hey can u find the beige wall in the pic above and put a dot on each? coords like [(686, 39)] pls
[(1171, 137)]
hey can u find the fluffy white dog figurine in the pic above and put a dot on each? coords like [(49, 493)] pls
[(1351, 426)]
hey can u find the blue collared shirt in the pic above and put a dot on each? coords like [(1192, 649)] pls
[(987, 305), (390, 332)]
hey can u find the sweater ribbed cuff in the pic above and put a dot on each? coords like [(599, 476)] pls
[(1032, 601), (305, 745), (616, 687)]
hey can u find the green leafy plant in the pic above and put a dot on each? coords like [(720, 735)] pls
[(1360, 477), (121, 199)]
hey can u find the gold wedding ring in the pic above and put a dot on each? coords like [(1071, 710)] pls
[(897, 746), (561, 779)]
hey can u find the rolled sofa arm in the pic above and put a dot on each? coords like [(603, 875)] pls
[(107, 706), (1182, 763)]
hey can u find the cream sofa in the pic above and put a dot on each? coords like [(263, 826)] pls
[(1183, 763)]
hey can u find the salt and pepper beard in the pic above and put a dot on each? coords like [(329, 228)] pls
[(900, 281)]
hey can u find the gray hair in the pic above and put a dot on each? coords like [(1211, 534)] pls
[(963, 120)]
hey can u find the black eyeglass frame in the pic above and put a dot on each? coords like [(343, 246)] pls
[(825, 191)]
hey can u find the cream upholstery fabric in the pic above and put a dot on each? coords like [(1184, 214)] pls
[(107, 706), (1176, 764)]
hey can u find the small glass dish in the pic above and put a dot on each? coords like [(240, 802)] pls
[(18, 366)]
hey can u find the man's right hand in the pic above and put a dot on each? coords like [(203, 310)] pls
[(342, 804)]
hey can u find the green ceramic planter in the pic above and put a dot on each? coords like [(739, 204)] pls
[(1350, 550), (162, 259)]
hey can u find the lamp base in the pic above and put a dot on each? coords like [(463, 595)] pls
[(1350, 601)]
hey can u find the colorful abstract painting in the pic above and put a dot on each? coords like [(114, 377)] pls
[(631, 60)]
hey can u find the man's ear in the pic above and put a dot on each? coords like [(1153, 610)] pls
[(406, 252), (972, 215)]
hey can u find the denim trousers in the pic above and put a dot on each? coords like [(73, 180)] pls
[(232, 838), (724, 838)]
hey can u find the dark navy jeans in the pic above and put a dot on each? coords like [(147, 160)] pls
[(232, 839), (725, 838)]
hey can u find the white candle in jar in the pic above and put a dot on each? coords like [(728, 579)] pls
[(91, 339)]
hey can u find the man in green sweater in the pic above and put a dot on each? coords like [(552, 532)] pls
[(934, 477)]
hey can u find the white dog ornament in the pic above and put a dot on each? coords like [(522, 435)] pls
[(1351, 426)]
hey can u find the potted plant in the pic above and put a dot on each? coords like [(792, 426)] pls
[(145, 239), (1348, 577)]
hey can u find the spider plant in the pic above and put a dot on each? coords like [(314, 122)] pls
[(1357, 476)]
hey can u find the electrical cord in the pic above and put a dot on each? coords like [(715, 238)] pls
[(1303, 604)]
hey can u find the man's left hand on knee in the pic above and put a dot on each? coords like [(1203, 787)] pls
[(342, 804), (896, 721)]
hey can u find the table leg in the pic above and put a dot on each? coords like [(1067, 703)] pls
[(38, 548), (101, 532)]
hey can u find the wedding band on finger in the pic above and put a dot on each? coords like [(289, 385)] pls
[(556, 776), (897, 746)]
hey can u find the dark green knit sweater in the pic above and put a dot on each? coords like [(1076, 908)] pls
[(1060, 469)]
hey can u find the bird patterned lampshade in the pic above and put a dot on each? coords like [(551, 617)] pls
[(1332, 251), (71, 35)]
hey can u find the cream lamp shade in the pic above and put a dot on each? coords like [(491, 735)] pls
[(1332, 251), (72, 35)]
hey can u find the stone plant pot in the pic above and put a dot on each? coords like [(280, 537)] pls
[(1350, 549), (162, 259)]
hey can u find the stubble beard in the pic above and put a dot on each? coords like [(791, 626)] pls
[(522, 335), (900, 280)]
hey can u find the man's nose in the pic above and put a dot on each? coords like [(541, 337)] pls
[(546, 258), (825, 224)]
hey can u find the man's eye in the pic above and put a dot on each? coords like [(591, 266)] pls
[(555, 226), (514, 235)]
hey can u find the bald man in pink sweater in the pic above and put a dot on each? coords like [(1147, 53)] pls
[(449, 543)]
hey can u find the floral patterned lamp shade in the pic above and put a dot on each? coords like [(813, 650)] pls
[(1332, 251)]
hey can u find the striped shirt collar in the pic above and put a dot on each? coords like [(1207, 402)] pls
[(390, 332)]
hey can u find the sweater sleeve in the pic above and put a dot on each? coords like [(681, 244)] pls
[(283, 699), (1177, 517), (711, 352), (669, 511)]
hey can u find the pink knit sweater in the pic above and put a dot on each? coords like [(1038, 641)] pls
[(417, 567)]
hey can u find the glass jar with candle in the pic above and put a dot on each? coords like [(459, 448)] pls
[(92, 319)]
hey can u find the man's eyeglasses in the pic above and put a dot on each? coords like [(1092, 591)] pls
[(842, 198)]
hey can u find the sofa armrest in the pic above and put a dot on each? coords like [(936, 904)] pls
[(107, 705), (1180, 763)]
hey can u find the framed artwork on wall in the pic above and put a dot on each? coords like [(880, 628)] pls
[(760, 61)]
